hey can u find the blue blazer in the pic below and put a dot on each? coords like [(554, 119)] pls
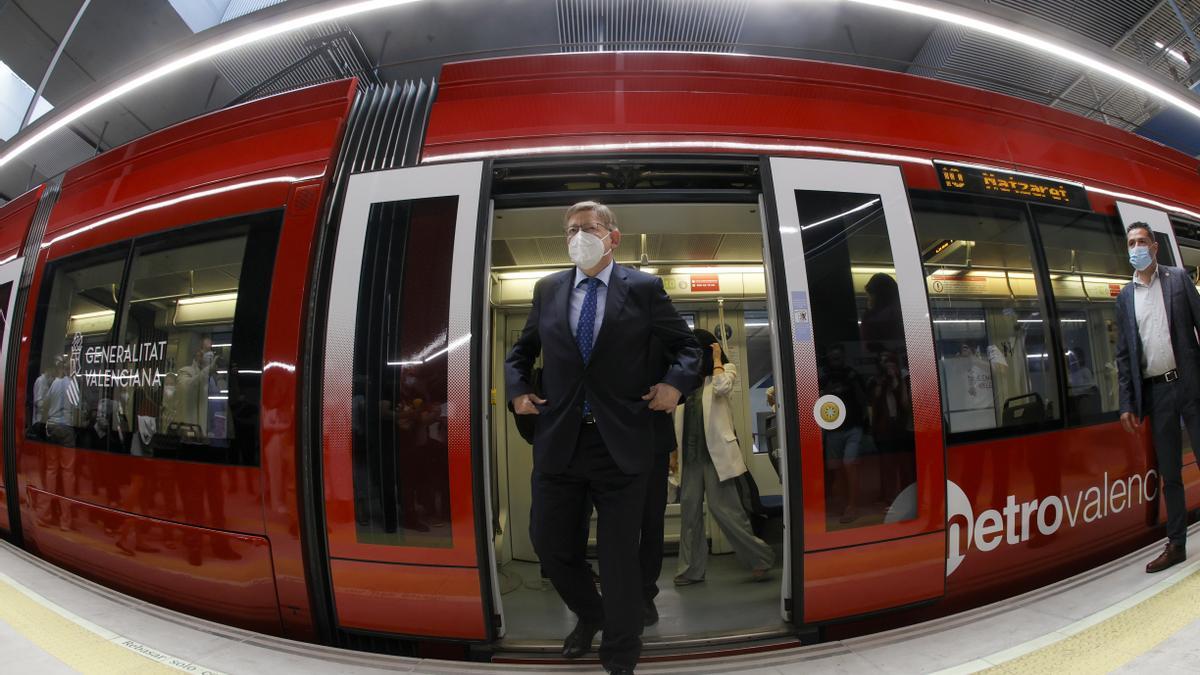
[(1183, 316), (642, 341)]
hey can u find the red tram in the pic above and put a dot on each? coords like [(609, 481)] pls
[(250, 361)]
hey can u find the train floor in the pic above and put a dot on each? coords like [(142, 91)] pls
[(728, 602), (1114, 618)]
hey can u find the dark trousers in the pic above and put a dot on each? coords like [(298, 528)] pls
[(559, 502), (1167, 403), (650, 553)]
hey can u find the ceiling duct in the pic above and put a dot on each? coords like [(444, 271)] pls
[(650, 25), (319, 54)]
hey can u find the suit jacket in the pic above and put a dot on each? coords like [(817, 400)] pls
[(639, 333), (1183, 316), (718, 425)]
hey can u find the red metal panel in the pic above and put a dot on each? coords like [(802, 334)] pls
[(1095, 490), (241, 160), (280, 404), (874, 577), (406, 599), (217, 575), (586, 99), (15, 219)]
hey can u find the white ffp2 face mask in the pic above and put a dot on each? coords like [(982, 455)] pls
[(586, 249)]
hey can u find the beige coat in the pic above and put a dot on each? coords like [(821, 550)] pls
[(718, 425)]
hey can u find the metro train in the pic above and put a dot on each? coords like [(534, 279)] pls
[(922, 274)]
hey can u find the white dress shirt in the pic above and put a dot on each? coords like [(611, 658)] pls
[(1158, 356), (578, 292)]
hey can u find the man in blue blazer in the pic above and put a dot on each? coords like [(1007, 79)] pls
[(1158, 372), (604, 332)]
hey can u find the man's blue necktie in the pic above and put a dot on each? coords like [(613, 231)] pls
[(586, 326)]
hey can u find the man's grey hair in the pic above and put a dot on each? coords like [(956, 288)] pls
[(603, 213)]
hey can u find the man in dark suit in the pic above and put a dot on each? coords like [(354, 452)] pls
[(595, 326), (1158, 372)]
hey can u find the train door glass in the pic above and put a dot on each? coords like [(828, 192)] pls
[(709, 258), (863, 387), (399, 404), (10, 272)]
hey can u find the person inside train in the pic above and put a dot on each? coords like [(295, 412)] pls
[(891, 424), (41, 398), (594, 434), (1158, 360), (843, 445), (63, 402), (710, 460)]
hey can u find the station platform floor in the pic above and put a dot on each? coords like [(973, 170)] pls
[(1114, 618)]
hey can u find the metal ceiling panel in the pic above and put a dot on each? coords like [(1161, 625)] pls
[(661, 25)]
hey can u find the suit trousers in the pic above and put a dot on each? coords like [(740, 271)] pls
[(559, 503), (654, 513), (1167, 402)]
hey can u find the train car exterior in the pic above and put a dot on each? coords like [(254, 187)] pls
[(253, 355)]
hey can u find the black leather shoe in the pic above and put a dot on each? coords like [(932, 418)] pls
[(618, 670), (1172, 554), (579, 641), (649, 614)]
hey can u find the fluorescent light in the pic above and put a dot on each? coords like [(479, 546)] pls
[(204, 54), (223, 344), (1072, 320), (528, 274), (873, 270), (717, 270), (637, 146), (422, 358), (757, 324), (1175, 54), (839, 216), (650, 270), (1041, 44), (200, 299), (93, 315)]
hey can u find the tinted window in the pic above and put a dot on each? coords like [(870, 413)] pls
[(989, 319), (858, 331), (1089, 264), (183, 379), (68, 397), (401, 461)]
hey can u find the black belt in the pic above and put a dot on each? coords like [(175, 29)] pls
[(1169, 376), (588, 419)]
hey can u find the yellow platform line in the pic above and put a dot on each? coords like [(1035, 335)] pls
[(78, 643), (1117, 640)]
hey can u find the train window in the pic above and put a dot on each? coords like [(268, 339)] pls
[(859, 339), (188, 368), (994, 362), (68, 399), (400, 455), (1189, 250), (1088, 264)]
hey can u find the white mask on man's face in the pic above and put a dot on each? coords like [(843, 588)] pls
[(586, 249)]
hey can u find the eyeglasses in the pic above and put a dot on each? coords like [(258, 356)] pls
[(591, 228)]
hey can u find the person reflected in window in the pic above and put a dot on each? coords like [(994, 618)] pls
[(891, 416), (710, 460), (882, 323), (41, 399), (192, 394), (61, 417), (843, 445)]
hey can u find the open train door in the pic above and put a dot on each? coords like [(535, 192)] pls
[(400, 412), (10, 274), (861, 378)]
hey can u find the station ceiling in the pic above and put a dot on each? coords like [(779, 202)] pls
[(113, 40)]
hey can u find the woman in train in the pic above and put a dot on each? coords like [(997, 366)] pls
[(708, 460)]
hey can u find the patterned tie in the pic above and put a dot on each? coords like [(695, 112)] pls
[(586, 326)]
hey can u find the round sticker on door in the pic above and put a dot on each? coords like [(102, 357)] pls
[(829, 412)]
